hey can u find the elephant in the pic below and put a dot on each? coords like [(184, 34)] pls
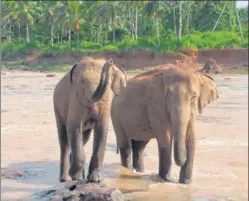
[(211, 66), (162, 104), (82, 104)]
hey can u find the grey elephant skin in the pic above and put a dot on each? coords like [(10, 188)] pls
[(82, 101), (161, 103)]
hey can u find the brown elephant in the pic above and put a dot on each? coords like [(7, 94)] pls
[(82, 101), (211, 66), (161, 104)]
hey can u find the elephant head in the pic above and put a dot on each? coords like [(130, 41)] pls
[(87, 73), (183, 91)]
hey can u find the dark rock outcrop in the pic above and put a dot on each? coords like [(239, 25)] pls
[(81, 191)]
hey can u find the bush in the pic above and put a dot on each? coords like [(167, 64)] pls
[(89, 45), (168, 43)]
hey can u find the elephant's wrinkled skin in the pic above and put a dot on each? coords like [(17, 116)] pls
[(161, 104), (82, 101)]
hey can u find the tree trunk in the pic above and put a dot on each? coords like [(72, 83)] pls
[(237, 15), (113, 32), (27, 32), (19, 32), (188, 16), (52, 35), (100, 28), (78, 38), (130, 21), (61, 35), (220, 15), (180, 20), (174, 18), (132, 24), (69, 38), (157, 31), (10, 33), (113, 36), (136, 23)]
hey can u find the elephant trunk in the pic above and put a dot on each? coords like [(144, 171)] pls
[(179, 130), (101, 88)]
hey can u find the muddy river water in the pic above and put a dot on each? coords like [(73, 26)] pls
[(30, 150)]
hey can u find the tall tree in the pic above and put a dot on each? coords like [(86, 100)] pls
[(24, 11)]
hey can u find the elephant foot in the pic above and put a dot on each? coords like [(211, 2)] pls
[(167, 178), (64, 178), (185, 181), (138, 169), (95, 177), (77, 175)]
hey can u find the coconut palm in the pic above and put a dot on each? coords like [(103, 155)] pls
[(25, 11)]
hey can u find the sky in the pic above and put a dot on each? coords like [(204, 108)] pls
[(242, 4)]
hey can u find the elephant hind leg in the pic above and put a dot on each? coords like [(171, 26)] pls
[(138, 154), (64, 153), (124, 145)]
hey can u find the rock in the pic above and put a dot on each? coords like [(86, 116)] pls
[(81, 191), (50, 75), (12, 174)]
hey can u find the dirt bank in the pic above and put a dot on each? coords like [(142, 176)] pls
[(227, 58)]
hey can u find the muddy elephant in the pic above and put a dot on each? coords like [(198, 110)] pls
[(161, 104), (211, 66), (82, 101)]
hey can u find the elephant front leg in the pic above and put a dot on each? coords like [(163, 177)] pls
[(165, 161), (99, 144), (76, 170), (64, 154), (138, 154), (187, 168)]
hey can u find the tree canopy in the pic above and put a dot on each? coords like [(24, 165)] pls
[(81, 24)]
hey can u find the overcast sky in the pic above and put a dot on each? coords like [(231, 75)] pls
[(242, 4)]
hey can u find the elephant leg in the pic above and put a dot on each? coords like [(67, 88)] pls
[(165, 161), (64, 153), (99, 144), (138, 154), (124, 145), (76, 170), (187, 168)]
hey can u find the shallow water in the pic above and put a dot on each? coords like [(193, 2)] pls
[(29, 144)]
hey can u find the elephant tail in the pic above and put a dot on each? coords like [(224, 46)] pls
[(117, 147)]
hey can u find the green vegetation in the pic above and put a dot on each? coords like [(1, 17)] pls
[(89, 26)]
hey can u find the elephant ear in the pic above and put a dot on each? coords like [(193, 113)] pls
[(119, 80), (208, 92), (71, 73)]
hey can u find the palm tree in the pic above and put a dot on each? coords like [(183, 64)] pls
[(51, 8), (24, 11), (70, 18), (107, 10), (155, 9)]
